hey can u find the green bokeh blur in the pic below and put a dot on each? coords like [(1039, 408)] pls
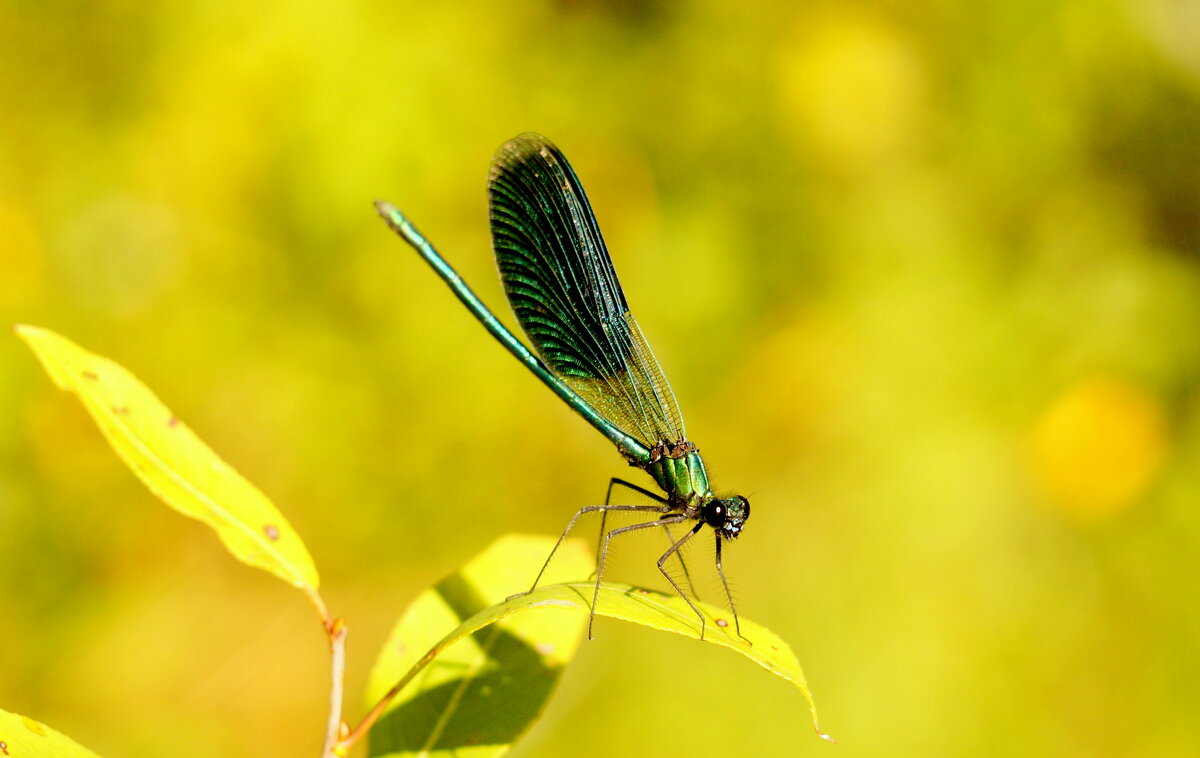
[(925, 277)]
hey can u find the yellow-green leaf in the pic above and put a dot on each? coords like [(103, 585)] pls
[(670, 613), (173, 462), (24, 737), (444, 678), (478, 696)]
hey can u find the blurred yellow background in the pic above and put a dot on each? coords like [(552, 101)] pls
[(925, 278)]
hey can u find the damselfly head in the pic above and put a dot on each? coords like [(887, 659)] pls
[(727, 515)]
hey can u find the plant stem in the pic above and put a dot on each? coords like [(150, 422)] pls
[(336, 629), (373, 715)]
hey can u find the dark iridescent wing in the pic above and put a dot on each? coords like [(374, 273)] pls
[(565, 294)]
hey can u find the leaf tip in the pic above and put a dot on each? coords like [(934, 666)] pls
[(817, 728)]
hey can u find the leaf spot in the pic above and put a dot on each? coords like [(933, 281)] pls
[(121, 410), (552, 603), (172, 422), (271, 531), (722, 623), (4, 747), (33, 726), (91, 376)]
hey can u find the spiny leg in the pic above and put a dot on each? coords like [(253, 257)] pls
[(729, 595), (571, 524), (663, 559), (687, 574), (608, 500), (604, 555)]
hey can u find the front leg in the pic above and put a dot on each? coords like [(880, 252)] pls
[(737, 625), (675, 549)]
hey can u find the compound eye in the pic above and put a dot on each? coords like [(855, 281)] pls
[(714, 514), (737, 511)]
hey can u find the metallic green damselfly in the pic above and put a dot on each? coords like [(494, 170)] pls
[(562, 287)]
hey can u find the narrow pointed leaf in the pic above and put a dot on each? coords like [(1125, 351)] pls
[(173, 462), (443, 667), (22, 736), (669, 613), (478, 696)]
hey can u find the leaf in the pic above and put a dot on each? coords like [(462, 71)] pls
[(173, 462), (669, 613), (445, 678), (23, 737), (484, 692)]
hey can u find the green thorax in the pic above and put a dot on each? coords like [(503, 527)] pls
[(679, 471)]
